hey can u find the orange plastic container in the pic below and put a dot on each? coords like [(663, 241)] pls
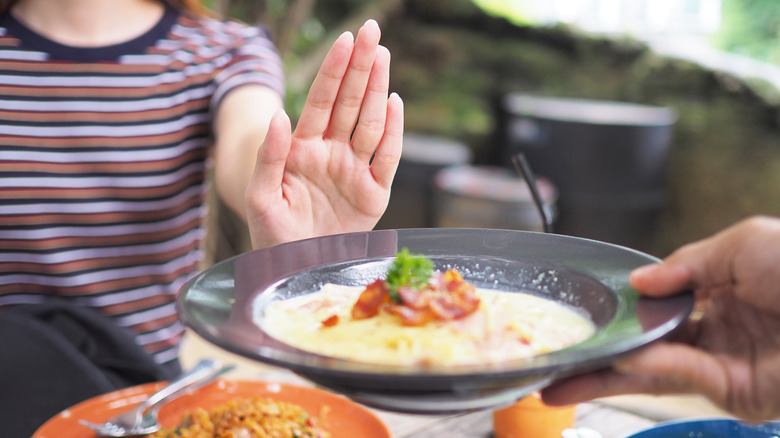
[(529, 417)]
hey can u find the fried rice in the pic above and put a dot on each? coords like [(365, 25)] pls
[(256, 417)]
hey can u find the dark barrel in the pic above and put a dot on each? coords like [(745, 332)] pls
[(411, 197), (607, 159)]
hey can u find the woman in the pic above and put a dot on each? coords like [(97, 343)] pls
[(110, 114)]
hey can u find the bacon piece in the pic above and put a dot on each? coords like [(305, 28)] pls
[(369, 301), (452, 280), (447, 297), (447, 309), (410, 316), (438, 281), (414, 298), (330, 321), (456, 304)]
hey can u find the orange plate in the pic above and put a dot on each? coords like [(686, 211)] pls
[(343, 419)]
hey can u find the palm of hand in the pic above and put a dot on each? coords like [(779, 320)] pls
[(325, 181), (333, 175)]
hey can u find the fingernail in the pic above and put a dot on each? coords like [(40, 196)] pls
[(279, 113), (347, 34), (397, 98), (370, 20)]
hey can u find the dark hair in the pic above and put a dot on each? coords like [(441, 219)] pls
[(181, 5)]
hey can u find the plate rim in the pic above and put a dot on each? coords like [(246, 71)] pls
[(149, 388), (684, 302), (715, 421)]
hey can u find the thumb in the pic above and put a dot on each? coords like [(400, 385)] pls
[(272, 155), (701, 264), (661, 279)]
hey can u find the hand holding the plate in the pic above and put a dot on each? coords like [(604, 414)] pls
[(729, 350), (333, 174)]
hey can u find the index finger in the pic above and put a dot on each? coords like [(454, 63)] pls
[(660, 279)]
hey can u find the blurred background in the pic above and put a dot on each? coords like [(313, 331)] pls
[(649, 123)]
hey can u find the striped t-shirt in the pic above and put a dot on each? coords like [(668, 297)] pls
[(103, 159)]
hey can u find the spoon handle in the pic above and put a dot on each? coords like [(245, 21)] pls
[(524, 169)]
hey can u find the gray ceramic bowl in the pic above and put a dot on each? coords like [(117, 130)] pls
[(224, 303)]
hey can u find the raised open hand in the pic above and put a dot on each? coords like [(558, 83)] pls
[(333, 174), (731, 352)]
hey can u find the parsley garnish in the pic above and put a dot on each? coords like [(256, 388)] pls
[(408, 270)]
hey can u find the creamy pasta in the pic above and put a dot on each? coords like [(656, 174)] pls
[(504, 326)]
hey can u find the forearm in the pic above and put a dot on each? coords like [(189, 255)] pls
[(241, 125)]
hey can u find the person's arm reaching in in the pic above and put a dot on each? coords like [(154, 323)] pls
[(731, 353), (333, 173)]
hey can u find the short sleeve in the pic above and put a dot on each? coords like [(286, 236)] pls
[(252, 58)]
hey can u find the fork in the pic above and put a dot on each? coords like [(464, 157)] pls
[(143, 419)]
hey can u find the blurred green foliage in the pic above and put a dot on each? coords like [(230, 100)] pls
[(751, 28), (451, 62), (513, 10)]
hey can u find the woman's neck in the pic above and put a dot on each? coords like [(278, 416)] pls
[(89, 23)]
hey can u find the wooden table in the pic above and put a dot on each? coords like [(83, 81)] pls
[(609, 420), (615, 417)]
